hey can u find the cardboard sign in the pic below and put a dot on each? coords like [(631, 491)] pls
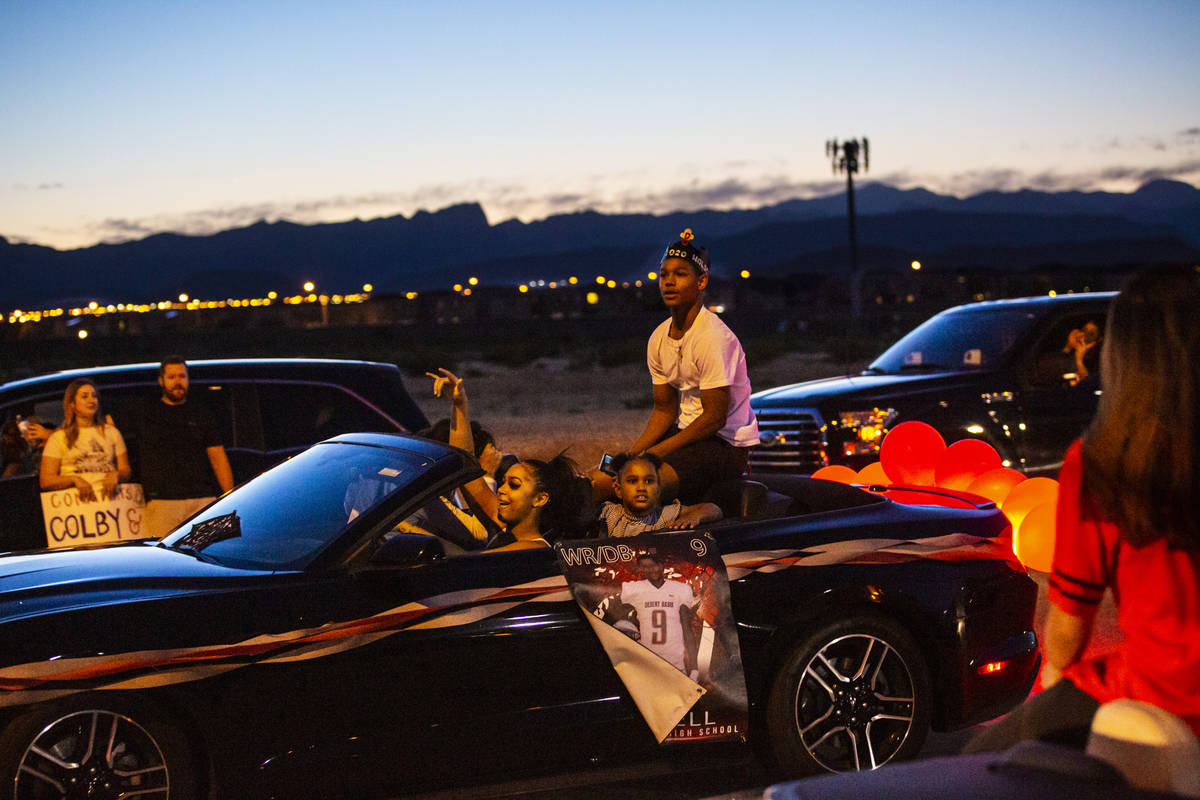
[(659, 604), (71, 521)]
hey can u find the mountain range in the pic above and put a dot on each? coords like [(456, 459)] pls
[(1160, 222)]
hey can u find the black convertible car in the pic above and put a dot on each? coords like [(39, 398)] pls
[(286, 642)]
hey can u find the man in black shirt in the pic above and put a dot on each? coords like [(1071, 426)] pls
[(183, 463)]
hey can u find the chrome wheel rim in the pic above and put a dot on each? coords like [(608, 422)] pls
[(97, 755), (854, 704)]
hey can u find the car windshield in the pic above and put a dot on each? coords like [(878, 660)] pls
[(957, 339), (284, 517)]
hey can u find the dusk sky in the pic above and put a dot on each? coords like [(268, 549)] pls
[(122, 119)]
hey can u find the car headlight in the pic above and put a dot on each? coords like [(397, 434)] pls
[(865, 430)]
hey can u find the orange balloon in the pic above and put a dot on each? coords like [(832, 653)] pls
[(1028, 495), (995, 484), (836, 472), (910, 452), (1033, 541), (963, 462), (873, 475)]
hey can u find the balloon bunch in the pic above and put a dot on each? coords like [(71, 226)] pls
[(915, 454)]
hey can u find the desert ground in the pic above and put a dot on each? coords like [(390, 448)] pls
[(548, 406)]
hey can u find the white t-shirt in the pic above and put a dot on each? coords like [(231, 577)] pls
[(95, 450), (708, 356), (659, 623)]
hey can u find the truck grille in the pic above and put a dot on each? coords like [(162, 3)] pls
[(790, 441)]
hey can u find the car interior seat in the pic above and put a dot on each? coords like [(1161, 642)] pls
[(747, 499), (1153, 748), (738, 497)]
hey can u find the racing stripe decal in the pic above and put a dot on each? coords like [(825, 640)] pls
[(952, 547), (145, 668)]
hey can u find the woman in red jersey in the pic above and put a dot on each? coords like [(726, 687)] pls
[(1129, 521)]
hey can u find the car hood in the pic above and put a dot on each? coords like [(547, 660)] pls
[(60, 579), (866, 386)]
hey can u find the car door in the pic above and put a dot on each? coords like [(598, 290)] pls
[(454, 670)]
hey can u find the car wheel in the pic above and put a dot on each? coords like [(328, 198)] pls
[(853, 695), (95, 753)]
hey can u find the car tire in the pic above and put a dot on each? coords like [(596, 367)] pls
[(96, 750), (853, 695)]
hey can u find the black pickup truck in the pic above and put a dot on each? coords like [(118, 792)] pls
[(1000, 371), (267, 410)]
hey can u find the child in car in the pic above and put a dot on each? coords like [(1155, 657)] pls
[(640, 509)]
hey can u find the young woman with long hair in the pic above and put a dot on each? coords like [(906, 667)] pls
[(86, 453), (1129, 521), (536, 501)]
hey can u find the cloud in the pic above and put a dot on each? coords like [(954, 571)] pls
[(1110, 178), (628, 194), (41, 187)]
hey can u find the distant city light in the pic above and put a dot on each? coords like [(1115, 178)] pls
[(652, 276), (1053, 293), (467, 292), (523, 289), (745, 273), (611, 284), (458, 287), (309, 286), (82, 333), (473, 280), (183, 298), (410, 295), (600, 279), (368, 287), (592, 298), (916, 265), (272, 295), (573, 280)]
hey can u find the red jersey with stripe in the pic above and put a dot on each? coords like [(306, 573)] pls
[(1157, 592)]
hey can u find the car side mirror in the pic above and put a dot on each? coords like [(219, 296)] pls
[(409, 548)]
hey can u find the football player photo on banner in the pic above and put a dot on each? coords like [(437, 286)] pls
[(659, 604)]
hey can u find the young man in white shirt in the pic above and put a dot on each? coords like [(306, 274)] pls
[(702, 425)]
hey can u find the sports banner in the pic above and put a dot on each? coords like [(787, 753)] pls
[(71, 521), (659, 604)]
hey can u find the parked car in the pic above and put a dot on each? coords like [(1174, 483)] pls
[(276, 645), (999, 371), (267, 410)]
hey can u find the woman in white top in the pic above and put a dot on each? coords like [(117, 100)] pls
[(85, 453)]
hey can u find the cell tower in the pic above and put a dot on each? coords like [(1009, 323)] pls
[(846, 159)]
